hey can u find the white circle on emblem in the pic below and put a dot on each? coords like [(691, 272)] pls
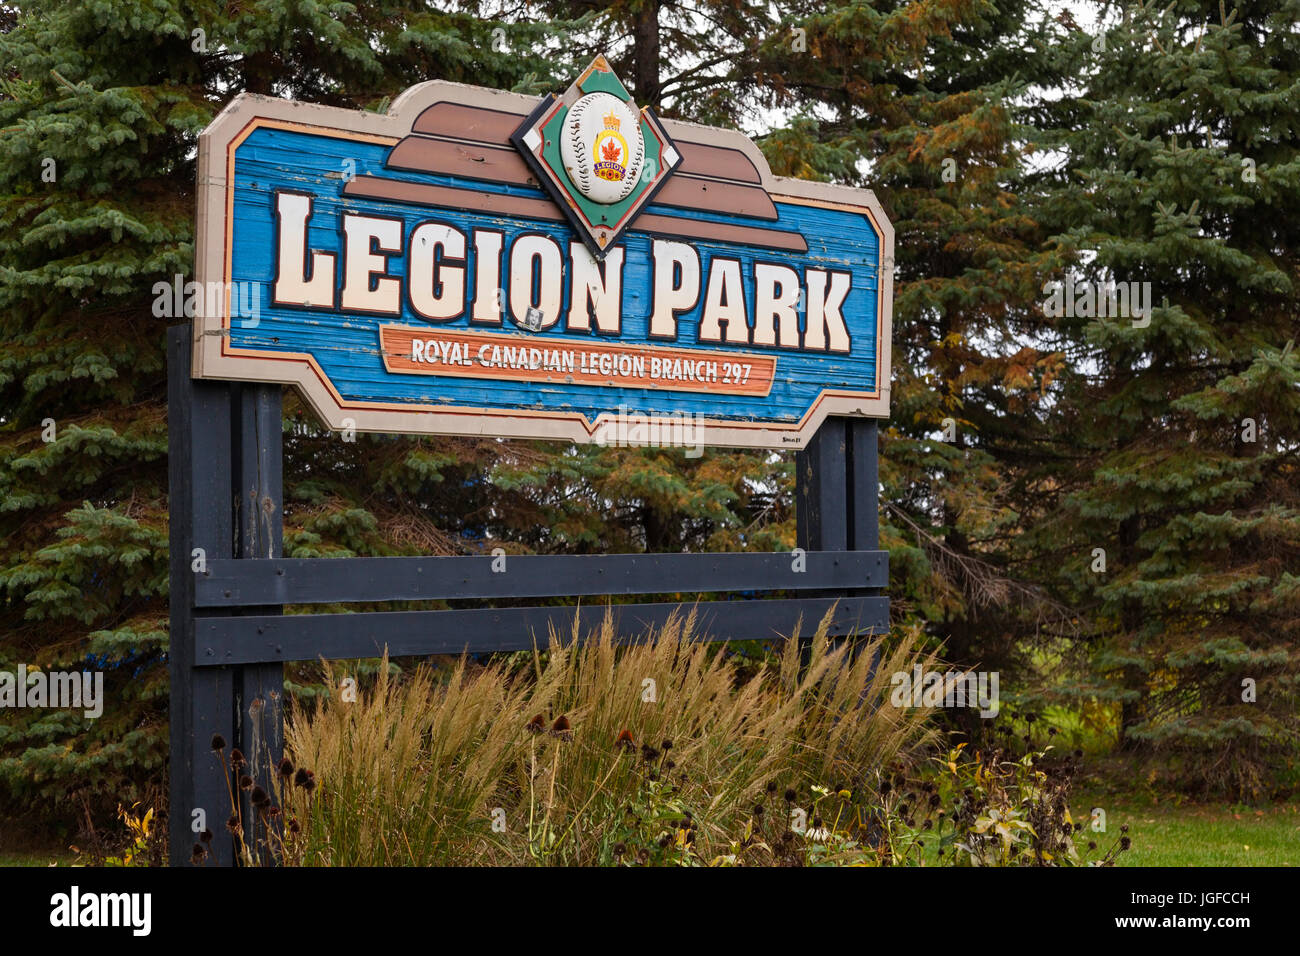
[(602, 148)]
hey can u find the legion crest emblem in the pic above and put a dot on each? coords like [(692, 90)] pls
[(610, 152)]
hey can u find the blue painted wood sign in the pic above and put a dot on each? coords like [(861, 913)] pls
[(476, 262)]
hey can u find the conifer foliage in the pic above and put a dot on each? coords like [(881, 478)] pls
[(931, 106), (1179, 526)]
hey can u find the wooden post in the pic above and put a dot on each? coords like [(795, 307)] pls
[(837, 488), (259, 536), (202, 698), (837, 492), (225, 468), (863, 480)]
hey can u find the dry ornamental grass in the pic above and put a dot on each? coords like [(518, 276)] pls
[(594, 754)]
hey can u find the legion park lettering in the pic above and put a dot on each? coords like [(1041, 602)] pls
[(541, 274)]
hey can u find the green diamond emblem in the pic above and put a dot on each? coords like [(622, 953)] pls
[(598, 156)]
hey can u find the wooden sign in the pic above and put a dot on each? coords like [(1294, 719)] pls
[(476, 262)]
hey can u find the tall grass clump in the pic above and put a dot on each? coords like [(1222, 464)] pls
[(595, 754)]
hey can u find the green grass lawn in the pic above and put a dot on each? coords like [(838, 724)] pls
[(1191, 834), (38, 858), (1164, 834)]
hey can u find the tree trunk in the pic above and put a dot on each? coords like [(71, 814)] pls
[(645, 58)]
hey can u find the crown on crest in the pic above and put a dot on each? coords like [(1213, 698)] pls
[(612, 121)]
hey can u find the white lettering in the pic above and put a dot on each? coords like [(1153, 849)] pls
[(437, 289), (295, 282)]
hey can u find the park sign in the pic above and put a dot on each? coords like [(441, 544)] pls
[(475, 262)]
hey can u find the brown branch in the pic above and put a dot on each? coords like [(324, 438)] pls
[(982, 583)]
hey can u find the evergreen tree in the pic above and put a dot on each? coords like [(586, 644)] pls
[(935, 107), (1179, 502), (692, 61)]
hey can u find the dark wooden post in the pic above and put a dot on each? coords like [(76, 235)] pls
[(202, 698), (259, 536), (837, 488), (863, 475), (225, 468), (837, 491)]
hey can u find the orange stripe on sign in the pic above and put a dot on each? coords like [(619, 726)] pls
[(561, 361)]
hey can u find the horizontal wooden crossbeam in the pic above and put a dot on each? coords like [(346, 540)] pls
[(247, 639), (233, 583)]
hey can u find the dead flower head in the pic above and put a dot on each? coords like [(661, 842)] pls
[(561, 728)]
